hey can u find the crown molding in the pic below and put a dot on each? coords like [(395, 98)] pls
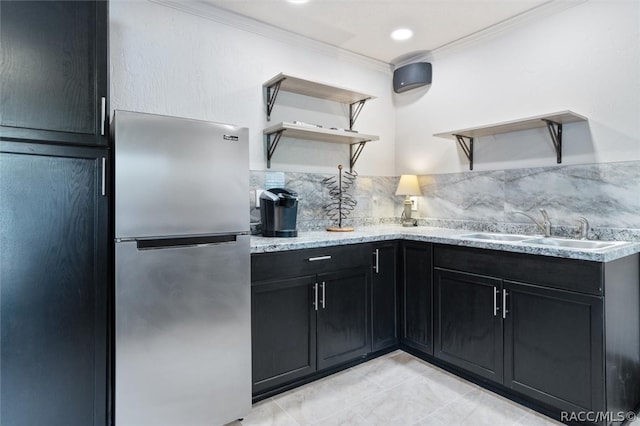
[(538, 13), (205, 10)]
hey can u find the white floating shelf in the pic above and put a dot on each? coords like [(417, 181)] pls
[(322, 134), (316, 89), (553, 122), (529, 123), (355, 140)]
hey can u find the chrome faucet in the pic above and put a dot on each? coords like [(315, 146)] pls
[(544, 227), (583, 228)]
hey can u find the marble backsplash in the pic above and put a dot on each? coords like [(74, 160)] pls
[(607, 194)]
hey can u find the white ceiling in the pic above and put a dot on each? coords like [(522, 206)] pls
[(363, 26)]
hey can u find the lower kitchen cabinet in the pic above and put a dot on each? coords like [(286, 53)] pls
[(343, 316), (417, 297), (553, 344), (53, 285), (467, 322), (312, 322), (283, 329), (384, 296), (562, 335), (541, 328), (538, 341)]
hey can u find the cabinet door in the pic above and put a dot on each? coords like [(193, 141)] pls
[(53, 286), (384, 296), (54, 71), (554, 346), (417, 297), (283, 331), (343, 316), (468, 323)]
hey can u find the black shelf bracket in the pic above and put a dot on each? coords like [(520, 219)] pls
[(555, 131), (467, 148), (355, 149), (354, 111), (272, 144), (272, 94)]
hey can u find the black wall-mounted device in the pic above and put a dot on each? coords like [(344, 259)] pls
[(411, 76)]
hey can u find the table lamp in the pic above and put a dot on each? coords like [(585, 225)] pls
[(408, 186)]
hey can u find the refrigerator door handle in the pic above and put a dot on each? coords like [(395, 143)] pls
[(168, 243)]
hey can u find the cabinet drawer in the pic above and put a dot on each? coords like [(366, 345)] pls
[(293, 263), (568, 274)]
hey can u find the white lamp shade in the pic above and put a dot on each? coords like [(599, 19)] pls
[(408, 185)]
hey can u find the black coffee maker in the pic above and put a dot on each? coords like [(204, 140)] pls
[(279, 212)]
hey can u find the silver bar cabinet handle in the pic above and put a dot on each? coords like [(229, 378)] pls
[(103, 114), (323, 294), (104, 176), (377, 265), (495, 301), (504, 304), (315, 259), (315, 300)]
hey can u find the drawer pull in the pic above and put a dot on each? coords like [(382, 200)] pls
[(315, 259), (323, 294), (495, 301), (376, 267)]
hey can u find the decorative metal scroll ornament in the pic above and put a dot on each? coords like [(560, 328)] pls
[(342, 203)]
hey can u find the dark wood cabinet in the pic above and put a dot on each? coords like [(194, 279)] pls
[(468, 322), (384, 296), (53, 285), (343, 316), (53, 81), (310, 312), (546, 329), (417, 296), (283, 328), (553, 346)]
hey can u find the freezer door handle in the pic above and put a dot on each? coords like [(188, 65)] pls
[(164, 243)]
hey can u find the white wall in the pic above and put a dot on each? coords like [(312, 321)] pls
[(584, 58), (168, 61)]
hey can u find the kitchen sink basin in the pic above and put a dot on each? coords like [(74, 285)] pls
[(579, 244), (548, 241), (488, 236)]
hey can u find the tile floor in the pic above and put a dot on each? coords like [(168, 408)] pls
[(396, 389)]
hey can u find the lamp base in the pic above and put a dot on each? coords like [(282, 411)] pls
[(410, 222)]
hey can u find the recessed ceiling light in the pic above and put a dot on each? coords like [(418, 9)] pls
[(298, 1), (402, 34)]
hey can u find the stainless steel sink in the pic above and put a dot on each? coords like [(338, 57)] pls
[(548, 241), (579, 244), (489, 236)]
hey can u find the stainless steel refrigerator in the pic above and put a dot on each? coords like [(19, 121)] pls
[(182, 296)]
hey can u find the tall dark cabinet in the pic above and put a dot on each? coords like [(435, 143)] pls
[(53, 84), (54, 214)]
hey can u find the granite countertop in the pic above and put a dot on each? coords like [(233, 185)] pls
[(314, 239)]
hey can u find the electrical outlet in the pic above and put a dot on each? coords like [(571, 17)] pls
[(414, 203)]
